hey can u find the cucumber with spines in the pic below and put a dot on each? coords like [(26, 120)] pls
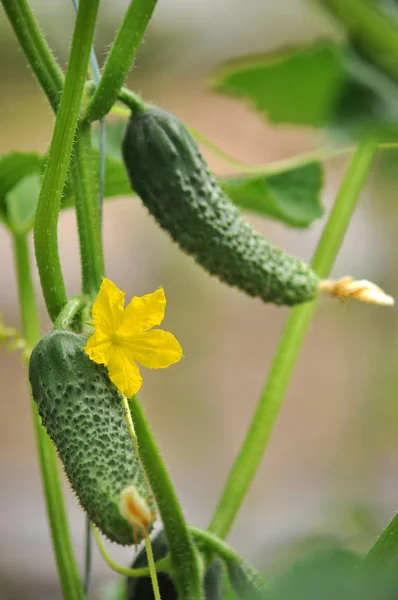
[(168, 172), (140, 588), (82, 412)]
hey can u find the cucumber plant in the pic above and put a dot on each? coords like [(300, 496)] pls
[(104, 439)]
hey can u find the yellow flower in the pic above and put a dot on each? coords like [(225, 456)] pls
[(121, 336)]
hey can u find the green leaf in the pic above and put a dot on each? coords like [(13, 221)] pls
[(114, 136), (292, 197), (21, 203), (14, 166), (329, 574), (292, 85)]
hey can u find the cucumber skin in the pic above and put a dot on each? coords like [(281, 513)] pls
[(168, 172), (140, 588), (82, 412)]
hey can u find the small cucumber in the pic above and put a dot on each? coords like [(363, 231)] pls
[(82, 412), (168, 172), (141, 588)]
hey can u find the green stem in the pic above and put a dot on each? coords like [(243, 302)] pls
[(84, 184), (259, 433), (69, 312), (67, 568), (45, 232), (120, 58), (375, 31), (130, 99), (184, 557), (213, 542), (161, 565), (152, 568), (36, 49)]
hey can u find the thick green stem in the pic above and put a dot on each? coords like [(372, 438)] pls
[(120, 58), (35, 48), (46, 238), (270, 402), (376, 32), (184, 557), (85, 190), (67, 567)]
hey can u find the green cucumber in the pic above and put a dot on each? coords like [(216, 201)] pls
[(82, 412), (168, 172), (140, 588)]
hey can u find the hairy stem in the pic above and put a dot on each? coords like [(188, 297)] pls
[(45, 231), (66, 563), (270, 402), (35, 48), (184, 557), (85, 190), (120, 58)]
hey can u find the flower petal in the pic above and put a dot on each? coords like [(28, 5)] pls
[(123, 372), (108, 308), (98, 348), (156, 349), (144, 312)]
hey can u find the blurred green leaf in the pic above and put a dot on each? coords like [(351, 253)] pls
[(292, 197), (114, 591), (21, 203), (384, 552), (326, 575), (296, 85), (368, 103), (14, 166), (114, 136)]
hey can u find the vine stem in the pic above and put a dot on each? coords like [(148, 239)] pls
[(148, 546), (120, 58), (85, 190), (152, 567), (35, 48), (45, 231), (161, 565), (66, 563), (184, 557), (271, 398)]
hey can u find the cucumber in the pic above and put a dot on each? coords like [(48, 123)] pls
[(168, 172), (82, 412), (140, 588)]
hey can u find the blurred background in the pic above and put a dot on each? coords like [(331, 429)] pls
[(330, 472)]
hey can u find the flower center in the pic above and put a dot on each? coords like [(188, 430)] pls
[(117, 338)]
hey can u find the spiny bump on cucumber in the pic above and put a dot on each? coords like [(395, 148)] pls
[(168, 172), (82, 412)]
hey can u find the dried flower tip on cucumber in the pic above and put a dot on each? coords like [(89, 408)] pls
[(362, 290), (135, 509)]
